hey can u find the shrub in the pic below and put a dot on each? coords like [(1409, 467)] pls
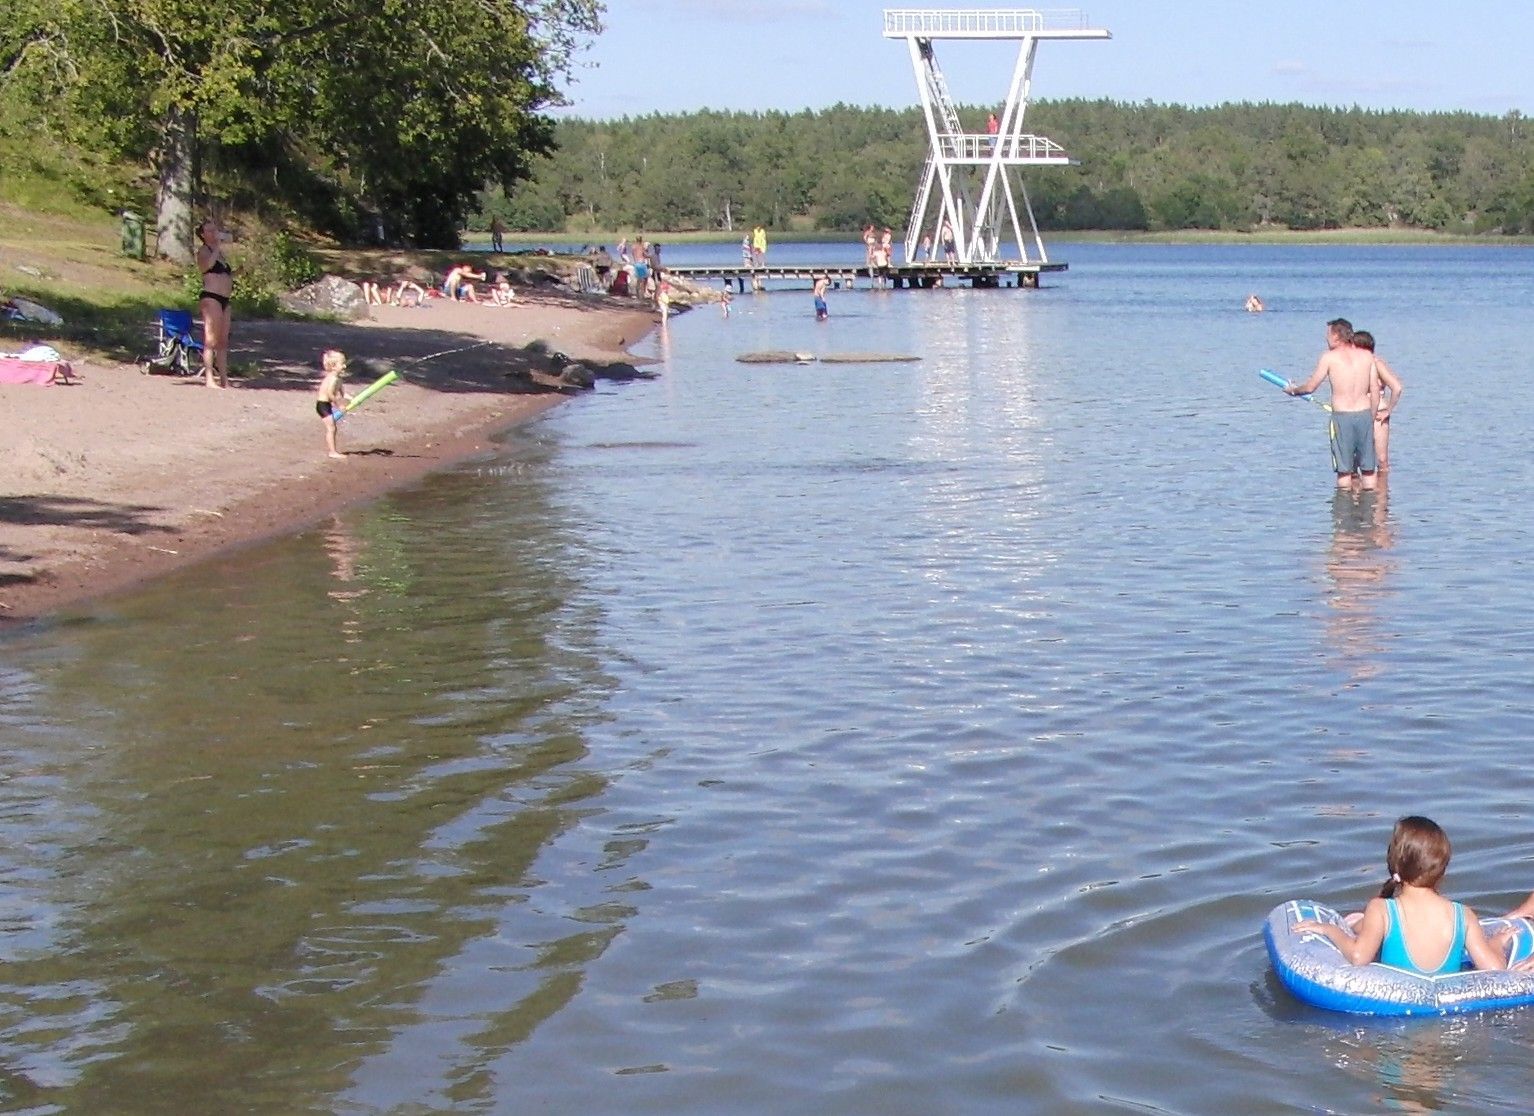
[(268, 263)]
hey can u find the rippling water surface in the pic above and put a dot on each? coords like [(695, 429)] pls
[(832, 738)]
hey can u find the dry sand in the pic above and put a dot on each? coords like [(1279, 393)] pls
[(126, 476)]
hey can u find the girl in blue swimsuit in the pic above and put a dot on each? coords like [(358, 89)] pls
[(1410, 926)]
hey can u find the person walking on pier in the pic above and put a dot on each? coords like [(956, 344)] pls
[(759, 245), (924, 252), (946, 235), (869, 240), (887, 242)]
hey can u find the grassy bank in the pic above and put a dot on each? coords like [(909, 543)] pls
[(72, 263)]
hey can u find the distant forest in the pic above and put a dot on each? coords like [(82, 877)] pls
[(1142, 166)]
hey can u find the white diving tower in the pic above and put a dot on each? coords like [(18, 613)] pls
[(973, 172)]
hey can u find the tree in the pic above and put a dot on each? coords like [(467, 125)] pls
[(402, 109)]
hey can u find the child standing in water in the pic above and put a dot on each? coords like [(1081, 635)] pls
[(332, 397), (1410, 926), (1391, 390)]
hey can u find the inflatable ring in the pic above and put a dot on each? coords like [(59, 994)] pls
[(1315, 972)]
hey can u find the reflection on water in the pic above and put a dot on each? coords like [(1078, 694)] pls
[(928, 737), (1410, 1067), (299, 824), (1360, 566)]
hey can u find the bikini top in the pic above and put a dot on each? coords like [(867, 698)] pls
[(220, 267)]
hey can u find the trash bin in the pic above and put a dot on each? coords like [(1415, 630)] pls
[(133, 235)]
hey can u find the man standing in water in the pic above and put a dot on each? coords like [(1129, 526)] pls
[(1355, 398), (822, 311)]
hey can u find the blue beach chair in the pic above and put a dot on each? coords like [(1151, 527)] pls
[(176, 346)]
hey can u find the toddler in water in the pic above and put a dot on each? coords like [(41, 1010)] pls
[(1410, 926)]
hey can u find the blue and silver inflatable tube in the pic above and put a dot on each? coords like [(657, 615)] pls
[(1315, 972)]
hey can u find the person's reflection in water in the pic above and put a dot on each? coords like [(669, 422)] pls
[(343, 549), (1359, 566), (1414, 1067)]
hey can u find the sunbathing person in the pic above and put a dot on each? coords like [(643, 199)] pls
[(409, 285)]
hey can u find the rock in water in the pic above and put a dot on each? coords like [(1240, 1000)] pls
[(868, 358), (775, 356)]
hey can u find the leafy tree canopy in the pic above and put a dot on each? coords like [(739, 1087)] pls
[(356, 111)]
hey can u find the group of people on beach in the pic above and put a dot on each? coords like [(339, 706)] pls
[(1365, 392), (639, 274), (1409, 925)]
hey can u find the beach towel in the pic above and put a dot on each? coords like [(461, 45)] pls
[(41, 364)]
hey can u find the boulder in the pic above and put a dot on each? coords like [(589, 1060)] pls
[(577, 375), (331, 297)]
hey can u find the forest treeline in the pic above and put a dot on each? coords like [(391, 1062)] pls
[(1141, 166)]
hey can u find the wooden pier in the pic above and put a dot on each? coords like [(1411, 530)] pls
[(936, 274)]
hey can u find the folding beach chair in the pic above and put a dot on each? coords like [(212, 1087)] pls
[(176, 346)]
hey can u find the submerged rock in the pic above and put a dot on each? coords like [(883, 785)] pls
[(868, 358), (775, 356)]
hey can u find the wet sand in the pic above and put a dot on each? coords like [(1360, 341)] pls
[(125, 477)]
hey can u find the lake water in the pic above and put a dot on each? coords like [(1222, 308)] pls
[(907, 738)]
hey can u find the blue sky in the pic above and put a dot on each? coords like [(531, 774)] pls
[(684, 55)]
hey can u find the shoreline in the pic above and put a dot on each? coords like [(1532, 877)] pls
[(1350, 236), (125, 478)]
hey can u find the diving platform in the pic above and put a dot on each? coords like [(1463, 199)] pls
[(971, 194), (937, 273)]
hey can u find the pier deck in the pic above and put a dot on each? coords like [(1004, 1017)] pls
[(1003, 273)]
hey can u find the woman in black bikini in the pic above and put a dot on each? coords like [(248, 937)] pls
[(217, 289)]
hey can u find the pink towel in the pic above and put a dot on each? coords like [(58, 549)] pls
[(13, 371)]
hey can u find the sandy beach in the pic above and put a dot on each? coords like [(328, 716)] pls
[(125, 476)]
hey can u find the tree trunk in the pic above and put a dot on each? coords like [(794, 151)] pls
[(173, 200)]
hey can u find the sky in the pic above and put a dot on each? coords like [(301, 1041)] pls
[(684, 55)]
